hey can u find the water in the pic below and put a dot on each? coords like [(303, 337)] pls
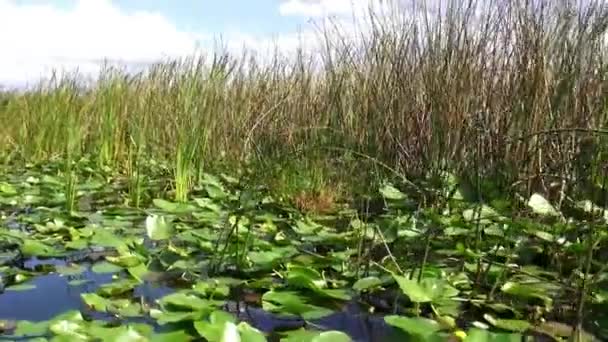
[(54, 295)]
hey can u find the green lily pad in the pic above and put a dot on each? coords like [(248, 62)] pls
[(478, 335), (249, 333), (21, 287), (172, 336), (331, 336), (213, 328), (389, 192), (290, 303), (106, 267), (28, 328), (541, 206), (73, 269), (37, 248), (508, 324), (172, 207), (168, 317), (184, 301), (421, 327), (411, 288)]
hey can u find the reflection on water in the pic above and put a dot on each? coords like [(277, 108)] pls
[(54, 295)]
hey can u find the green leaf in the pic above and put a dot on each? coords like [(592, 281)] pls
[(367, 283), (212, 289), (508, 324), (105, 238), (421, 327), (331, 336), (106, 267), (559, 330), (27, 328), (158, 228), (21, 287), (36, 248), (179, 335), (541, 206), (389, 192), (73, 269), (527, 291), (251, 334), (95, 301), (485, 214), (212, 330), (415, 292), (117, 288), (71, 329), (291, 303), (7, 189), (125, 260), (479, 335), (182, 301), (138, 272), (172, 207), (167, 317)]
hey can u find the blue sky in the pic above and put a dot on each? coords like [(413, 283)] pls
[(43, 35)]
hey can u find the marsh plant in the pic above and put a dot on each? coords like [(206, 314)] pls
[(444, 165)]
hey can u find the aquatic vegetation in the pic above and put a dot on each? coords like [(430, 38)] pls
[(438, 177), (235, 263)]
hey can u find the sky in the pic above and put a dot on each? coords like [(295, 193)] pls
[(37, 36)]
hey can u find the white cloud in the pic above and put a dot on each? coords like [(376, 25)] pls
[(323, 8), (37, 38)]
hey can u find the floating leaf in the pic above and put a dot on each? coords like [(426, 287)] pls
[(212, 329), (479, 335), (527, 291), (73, 269), (172, 207), (37, 248), (182, 301), (117, 288), (73, 330), (158, 228), (138, 272), (559, 330), (179, 335), (291, 303), (415, 292), (106, 267), (421, 327), (168, 317), (27, 328), (95, 301), (485, 214), (508, 324), (7, 189), (389, 192), (541, 206), (331, 336), (21, 287), (103, 237), (251, 334)]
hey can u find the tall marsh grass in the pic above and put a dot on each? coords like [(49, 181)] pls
[(516, 84)]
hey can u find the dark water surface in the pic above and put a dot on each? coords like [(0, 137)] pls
[(53, 295)]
